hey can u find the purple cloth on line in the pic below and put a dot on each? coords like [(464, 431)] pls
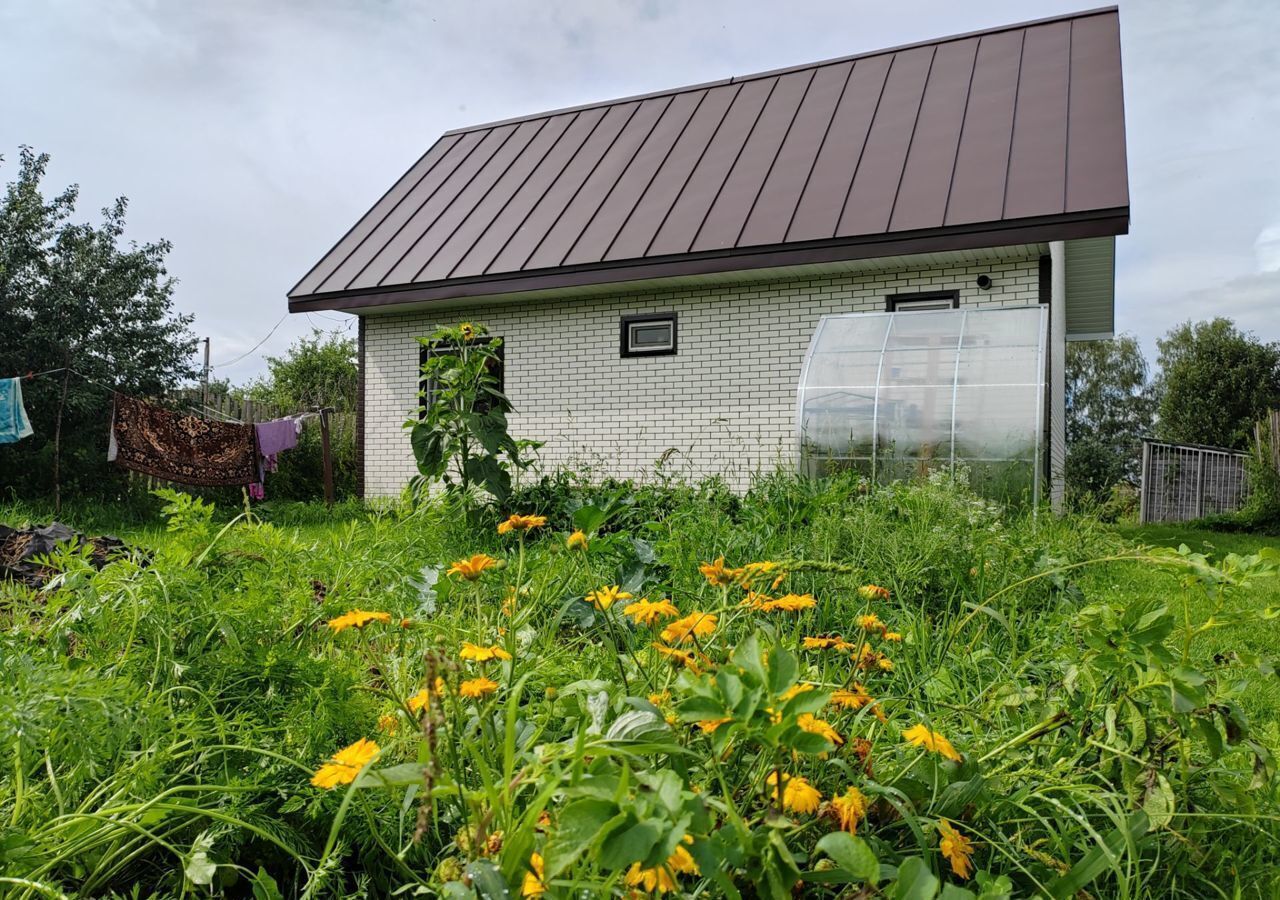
[(274, 438)]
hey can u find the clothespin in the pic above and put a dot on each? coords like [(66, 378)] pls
[(30, 375)]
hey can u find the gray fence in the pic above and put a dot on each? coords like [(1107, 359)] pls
[(1181, 482)]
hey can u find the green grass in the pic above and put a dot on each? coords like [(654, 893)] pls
[(159, 724)]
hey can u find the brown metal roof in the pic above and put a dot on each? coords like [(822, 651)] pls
[(1003, 136)]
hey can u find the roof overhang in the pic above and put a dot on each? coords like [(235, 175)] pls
[(1072, 226)]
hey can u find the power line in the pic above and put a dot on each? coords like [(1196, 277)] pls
[(251, 350)]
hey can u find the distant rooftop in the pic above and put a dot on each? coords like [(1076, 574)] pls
[(1012, 135)]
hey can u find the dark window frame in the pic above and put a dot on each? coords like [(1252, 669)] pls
[(425, 351), (892, 300), (624, 327)]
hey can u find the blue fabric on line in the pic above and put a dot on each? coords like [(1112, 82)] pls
[(13, 418)]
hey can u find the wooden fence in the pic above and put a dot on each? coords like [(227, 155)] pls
[(1181, 482)]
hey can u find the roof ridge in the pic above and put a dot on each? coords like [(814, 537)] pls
[(738, 79)]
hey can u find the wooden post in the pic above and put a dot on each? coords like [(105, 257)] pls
[(57, 435), (205, 393), (328, 455)]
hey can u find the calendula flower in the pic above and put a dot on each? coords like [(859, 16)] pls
[(956, 848), (892, 636), (421, 700), (870, 622), (470, 569), (345, 765), (576, 541), (681, 657), (850, 808), (476, 653), (871, 658), (357, 618), (921, 736), (534, 884), (646, 612), (660, 699), (834, 642), (467, 330), (789, 603), (873, 592), (695, 625), (709, 726), (406, 623), (812, 724), (662, 879), (717, 574), (796, 690), (521, 523), (388, 723), (884, 663), (604, 597), (755, 600), (797, 794), (856, 699), (475, 688)]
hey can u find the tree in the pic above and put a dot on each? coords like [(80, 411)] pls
[(72, 297), (1215, 382), (316, 371), (1110, 407)]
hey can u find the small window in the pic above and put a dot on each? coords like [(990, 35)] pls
[(427, 387), (916, 302), (648, 335)]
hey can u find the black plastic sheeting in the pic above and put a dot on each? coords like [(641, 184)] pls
[(21, 550)]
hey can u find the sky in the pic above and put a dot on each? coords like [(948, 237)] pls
[(253, 133)]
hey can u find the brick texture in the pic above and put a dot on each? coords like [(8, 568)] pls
[(724, 405)]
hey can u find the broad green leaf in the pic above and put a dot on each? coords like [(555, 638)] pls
[(264, 886), (628, 845), (1159, 802), (580, 824), (915, 881), (851, 854), (392, 776), (487, 880)]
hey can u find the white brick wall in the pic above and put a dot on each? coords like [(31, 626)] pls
[(725, 404)]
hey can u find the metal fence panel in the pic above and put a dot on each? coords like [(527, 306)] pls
[(1181, 482)]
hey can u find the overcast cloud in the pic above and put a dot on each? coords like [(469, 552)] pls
[(253, 134)]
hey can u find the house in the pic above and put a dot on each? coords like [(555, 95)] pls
[(872, 261)]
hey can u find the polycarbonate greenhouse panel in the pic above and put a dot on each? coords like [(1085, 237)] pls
[(901, 394)]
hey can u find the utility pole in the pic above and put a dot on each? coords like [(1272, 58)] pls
[(206, 375)]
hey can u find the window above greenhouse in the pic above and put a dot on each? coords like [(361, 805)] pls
[(905, 393)]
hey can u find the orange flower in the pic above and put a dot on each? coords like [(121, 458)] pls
[(470, 569), (789, 603), (871, 622), (476, 653), (422, 699), (812, 724), (920, 736), (710, 725), (345, 765), (892, 636), (521, 523), (388, 723), (956, 848), (856, 699), (873, 592), (870, 658), (695, 625), (534, 884), (850, 808), (834, 642), (797, 794), (576, 541), (646, 612), (718, 575), (795, 690), (662, 879), (475, 688), (604, 597), (357, 618), (682, 657)]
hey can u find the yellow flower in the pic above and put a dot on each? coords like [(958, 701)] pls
[(856, 699), (870, 622), (681, 657), (521, 523), (717, 575), (885, 663), (345, 765), (850, 809), (789, 603), (470, 569), (956, 848), (476, 653), (576, 541), (812, 724), (388, 723), (357, 618), (796, 690), (892, 636), (475, 688), (921, 736), (755, 600), (695, 625), (710, 725), (533, 884), (646, 612), (827, 643), (661, 880), (468, 331), (421, 700), (873, 592), (660, 699), (797, 794), (870, 658), (604, 597)]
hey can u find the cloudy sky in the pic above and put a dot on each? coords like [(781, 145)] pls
[(252, 134)]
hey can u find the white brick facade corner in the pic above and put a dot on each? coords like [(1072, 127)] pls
[(724, 405)]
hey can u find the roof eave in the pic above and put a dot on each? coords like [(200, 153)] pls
[(1095, 223)]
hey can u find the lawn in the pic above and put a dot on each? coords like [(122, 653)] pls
[(823, 689)]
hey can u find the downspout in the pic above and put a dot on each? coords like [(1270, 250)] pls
[(1057, 373)]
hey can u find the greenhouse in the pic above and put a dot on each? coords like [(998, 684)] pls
[(901, 394)]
